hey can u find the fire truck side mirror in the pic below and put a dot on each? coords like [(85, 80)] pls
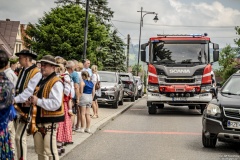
[(215, 56), (215, 46), (143, 52)]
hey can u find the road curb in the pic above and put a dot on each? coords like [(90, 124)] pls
[(96, 127)]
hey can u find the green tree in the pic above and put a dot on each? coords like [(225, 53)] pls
[(115, 59), (136, 68), (227, 62), (61, 33), (237, 40)]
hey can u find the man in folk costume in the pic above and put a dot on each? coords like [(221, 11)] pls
[(28, 79), (50, 110)]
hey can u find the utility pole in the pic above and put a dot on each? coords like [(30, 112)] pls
[(128, 46)]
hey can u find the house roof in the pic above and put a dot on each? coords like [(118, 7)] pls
[(8, 34)]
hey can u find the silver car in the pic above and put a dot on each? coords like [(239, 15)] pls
[(111, 88)]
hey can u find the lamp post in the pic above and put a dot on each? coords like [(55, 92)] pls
[(86, 30), (141, 25)]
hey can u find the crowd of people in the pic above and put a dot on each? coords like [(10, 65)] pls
[(50, 99)]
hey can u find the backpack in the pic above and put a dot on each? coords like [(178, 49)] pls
[(97, 85), (6, 91)]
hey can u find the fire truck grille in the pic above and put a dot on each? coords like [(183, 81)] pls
[(179, 80)]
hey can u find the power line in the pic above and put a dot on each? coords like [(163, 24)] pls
[(117, 29), (164, 25)]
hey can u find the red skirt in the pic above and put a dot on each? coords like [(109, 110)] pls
[(64, 131)]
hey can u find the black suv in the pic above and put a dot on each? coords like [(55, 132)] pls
[(221, 118), (130, 86)]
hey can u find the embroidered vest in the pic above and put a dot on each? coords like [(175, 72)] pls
[(28, 74), (44, 116)]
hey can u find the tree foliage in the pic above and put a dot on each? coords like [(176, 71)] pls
[(136, 68), (227, 62), (237, 40), (61, 33), (115, 59)]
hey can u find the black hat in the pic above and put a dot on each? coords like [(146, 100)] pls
[(27, 53), (49, 59)]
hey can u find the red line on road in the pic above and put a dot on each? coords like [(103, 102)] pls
[(165, 133)]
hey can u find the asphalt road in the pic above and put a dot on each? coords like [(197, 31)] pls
[(172, 134)]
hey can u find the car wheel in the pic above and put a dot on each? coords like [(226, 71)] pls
[(152, 109), (209, 142), (133, 99), (115, 105), (137, 96), (121, 101), (140, 94)]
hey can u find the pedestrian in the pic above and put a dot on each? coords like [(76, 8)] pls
[(28, 79), (86, 65), (12, 78), (7, 111), (70, 66), (79, 70), (50, 110), (96, 81), (14, 64), (64, 131), (86, 96)]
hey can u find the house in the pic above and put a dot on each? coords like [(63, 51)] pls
[(10, 36)]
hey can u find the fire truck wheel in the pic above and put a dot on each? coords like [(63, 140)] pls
[(161, 106), (203, 106), (191, 107), (152, 109)]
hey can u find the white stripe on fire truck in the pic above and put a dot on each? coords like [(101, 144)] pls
[(206, 75), (151, 74)]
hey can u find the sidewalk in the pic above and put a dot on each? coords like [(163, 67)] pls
[(105, 115)]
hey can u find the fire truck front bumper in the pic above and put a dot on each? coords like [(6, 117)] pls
[(197, 99)]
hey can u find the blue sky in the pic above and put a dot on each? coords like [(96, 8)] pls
[(217, 18)]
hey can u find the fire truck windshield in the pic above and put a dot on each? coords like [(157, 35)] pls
[(165, 53)]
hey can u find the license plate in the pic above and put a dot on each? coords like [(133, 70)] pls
[(179, 98), (233, 124)]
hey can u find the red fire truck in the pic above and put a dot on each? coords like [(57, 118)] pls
[(179, 70)]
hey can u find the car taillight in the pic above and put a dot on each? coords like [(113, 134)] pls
[(152, 74), (206, 78)]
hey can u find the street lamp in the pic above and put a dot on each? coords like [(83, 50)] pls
[(141, 25)]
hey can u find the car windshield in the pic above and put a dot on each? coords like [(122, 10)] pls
[(108, 77), (232, 87), (125, 77), (179, 53)]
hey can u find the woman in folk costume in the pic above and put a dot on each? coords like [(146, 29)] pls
[(64, 131), (7, 111)]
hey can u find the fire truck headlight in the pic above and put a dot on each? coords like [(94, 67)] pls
[(161, 79), (153, 88), (206, 88), (198, 79)]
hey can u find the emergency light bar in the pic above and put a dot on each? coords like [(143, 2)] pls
[(182, 35)]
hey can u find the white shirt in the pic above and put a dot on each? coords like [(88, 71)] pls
[(27, 92), (54, 101), (95, 78), (11, 76), (67, 85)]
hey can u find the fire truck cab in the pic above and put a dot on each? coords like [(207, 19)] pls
[(179, 70)]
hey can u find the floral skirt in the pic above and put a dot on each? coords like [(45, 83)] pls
[(5, 145), (64, 131)]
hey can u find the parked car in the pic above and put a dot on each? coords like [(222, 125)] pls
[(111, 88), (130, 86), (221, 118), (140, 86)]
